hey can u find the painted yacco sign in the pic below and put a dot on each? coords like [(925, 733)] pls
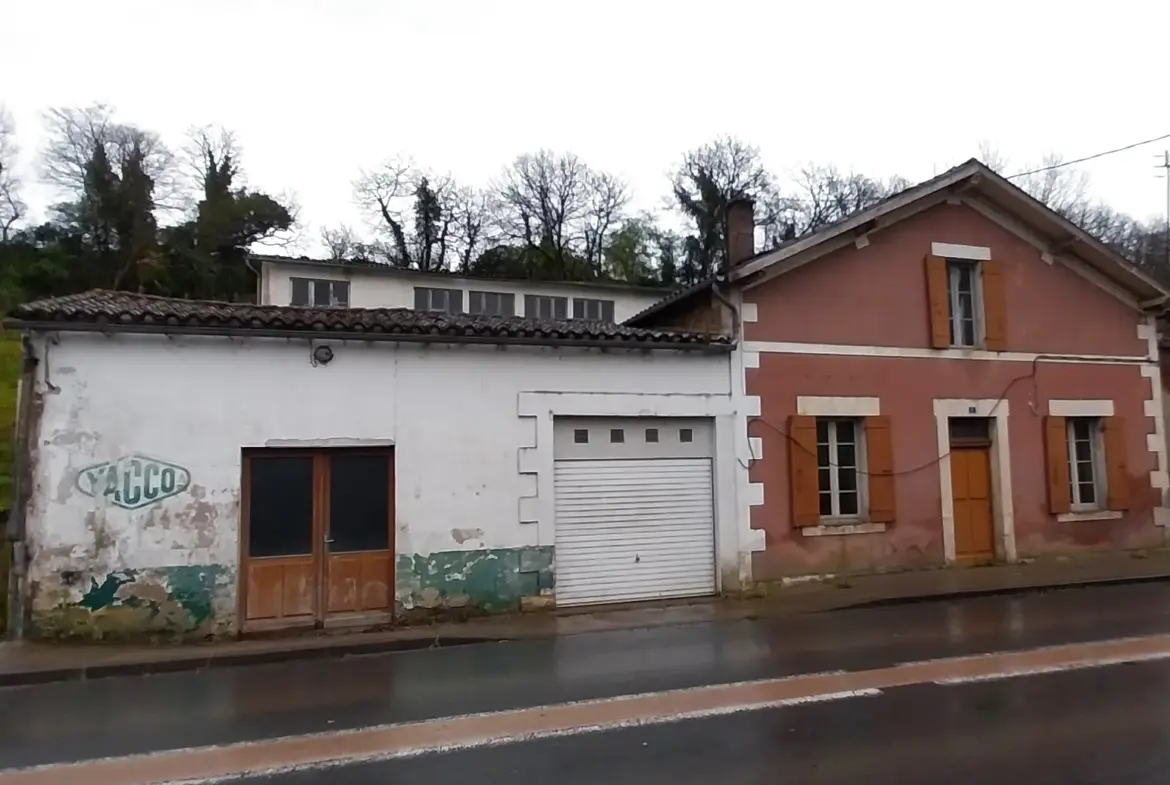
[(133, 481)]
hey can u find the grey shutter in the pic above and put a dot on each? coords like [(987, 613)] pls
[(341, 293), (560, 307), (578, 308), (530, 307), (454, 301), (422, 300), (507, 305), (607, 310), (476, 302), (300, 291)]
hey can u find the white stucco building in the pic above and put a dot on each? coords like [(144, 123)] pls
[(316, 282), (203, 469)]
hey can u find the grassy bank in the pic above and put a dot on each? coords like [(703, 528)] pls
[(9, 376)]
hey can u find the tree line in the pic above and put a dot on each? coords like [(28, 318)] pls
[(141, 215)]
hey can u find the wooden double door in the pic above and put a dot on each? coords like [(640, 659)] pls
[(317, 537)]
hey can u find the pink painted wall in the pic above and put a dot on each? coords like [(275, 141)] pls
[(877, 295), (907, 388)]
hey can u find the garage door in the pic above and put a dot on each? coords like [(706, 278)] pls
[(638, 528)]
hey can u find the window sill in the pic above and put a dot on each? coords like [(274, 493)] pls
[(1088, 515), (832, 529)]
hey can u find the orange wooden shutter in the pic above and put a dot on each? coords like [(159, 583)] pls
[(939, 302), (1116, 463), (1056, 449), (802, 471), (879, 462), (994, 307)]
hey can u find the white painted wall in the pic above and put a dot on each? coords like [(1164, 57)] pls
[(472, 428), (395, 289)]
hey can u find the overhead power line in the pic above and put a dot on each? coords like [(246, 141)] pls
[(1063, 164)]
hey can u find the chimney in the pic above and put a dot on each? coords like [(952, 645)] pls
[(741, 230)]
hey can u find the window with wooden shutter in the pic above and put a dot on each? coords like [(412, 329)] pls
[(994, 306), (1116, 463), (802, 471), (879, 459), (1056, 449), (938, 301)]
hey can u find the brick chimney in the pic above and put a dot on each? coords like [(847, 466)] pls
[(740, 231)]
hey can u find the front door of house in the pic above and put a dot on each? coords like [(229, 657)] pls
[(971, 487), (971, 483), (317, 537)]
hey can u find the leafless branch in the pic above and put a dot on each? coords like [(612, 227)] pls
[(12, 208)]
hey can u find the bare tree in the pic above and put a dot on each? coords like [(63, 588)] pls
[(470, 211), (74, 136), (383, 194), (560, 210), (608, 198), (824, 195), (12, 208)]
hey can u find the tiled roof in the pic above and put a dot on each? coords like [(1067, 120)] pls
[(109, 310)]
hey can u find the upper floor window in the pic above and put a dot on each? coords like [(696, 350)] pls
[(963, 294), (492, 304), (593, 310), (1086, 469), (967, 298), (438, 300), (320, 292), (538, 306), (838, 467)]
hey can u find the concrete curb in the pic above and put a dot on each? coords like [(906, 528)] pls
[(964, 594), (341, 647), (333, 650)]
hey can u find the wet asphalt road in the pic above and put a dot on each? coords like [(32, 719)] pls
[(1106, 726), (119, 716)]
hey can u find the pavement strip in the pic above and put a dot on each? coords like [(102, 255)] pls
[(450, 734)]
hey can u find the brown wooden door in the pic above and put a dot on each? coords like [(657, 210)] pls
[(359, 534), (318, 536), (971, 485), (280, 562)]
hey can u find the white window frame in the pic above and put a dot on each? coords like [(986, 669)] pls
[(1097, 455), (552, 300), (312, 284), (596, 305), (954, 268), (834, 474), (446, 292), (485, 297)]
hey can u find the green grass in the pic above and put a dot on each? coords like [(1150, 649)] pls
[(9, 377)]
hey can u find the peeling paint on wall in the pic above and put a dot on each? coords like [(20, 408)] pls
[(491, 580), (182, 602)]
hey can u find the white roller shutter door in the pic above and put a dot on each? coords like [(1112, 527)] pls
[(633, 530)]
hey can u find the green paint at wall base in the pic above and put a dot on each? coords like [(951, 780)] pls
[(178, 603), (488, 580)]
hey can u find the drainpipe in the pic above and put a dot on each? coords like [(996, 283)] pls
[(22, 491), (259, 279)]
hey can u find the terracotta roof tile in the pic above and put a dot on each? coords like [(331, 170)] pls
[(101, 309)]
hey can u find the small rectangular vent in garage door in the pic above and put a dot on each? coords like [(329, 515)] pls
[(634, 529)]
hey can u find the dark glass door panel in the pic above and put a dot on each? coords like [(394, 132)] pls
[(280, 506), (359, 503)]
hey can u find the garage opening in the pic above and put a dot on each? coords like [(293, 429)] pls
[(634, 509)]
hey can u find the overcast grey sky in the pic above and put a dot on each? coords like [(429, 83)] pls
[(317, 90)]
